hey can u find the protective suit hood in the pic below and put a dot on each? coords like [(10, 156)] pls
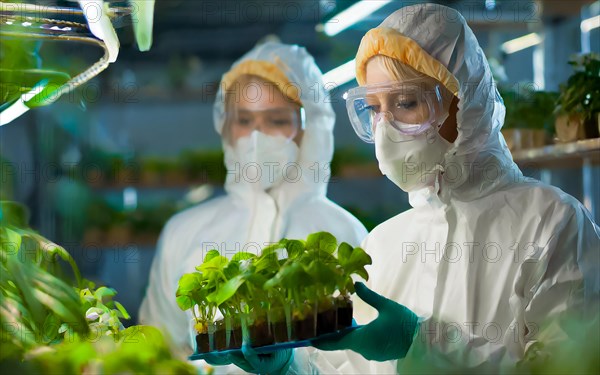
[(295, 73), (436, 40)]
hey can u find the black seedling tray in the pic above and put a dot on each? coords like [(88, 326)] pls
[(279, 346)]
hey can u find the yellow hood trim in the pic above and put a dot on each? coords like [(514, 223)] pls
[(391, 43), (267, 71)]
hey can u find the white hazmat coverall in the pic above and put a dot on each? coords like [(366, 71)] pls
[(486, 257), (247, 218)]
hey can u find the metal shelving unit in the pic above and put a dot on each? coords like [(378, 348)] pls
[(584, 154), (560, 155)]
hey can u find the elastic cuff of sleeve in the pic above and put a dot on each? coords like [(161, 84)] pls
[(287, 365)]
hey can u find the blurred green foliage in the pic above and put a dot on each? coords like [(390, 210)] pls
[(370, 219), (577, 351), (51, 323), (142, 220), (529, 109), (344, 156), (7, 180)]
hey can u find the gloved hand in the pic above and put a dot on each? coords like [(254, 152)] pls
[(387, 337), (273, 363), (220, 359)]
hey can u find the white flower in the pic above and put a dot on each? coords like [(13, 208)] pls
[(92, 316), (93, 313)]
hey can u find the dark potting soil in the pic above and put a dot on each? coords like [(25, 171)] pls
[(280, 333), (220, 336), (344, 316), (202, 343), (326, 321), (261, 335), (236, 338), (305, 328), (302, 329)]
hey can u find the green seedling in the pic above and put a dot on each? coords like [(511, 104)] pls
[(290, 280)]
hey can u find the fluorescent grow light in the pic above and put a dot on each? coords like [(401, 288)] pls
[(340, 75), (521, 43), (590, 24), (352, 15)]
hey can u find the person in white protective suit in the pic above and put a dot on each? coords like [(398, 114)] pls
[(488, 270), (277, 131)]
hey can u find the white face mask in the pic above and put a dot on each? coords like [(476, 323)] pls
[(262, 159), (411, 162)]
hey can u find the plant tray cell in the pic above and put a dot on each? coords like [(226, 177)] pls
[(279, 346)]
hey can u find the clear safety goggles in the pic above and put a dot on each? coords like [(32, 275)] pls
[(411, 107), (285, 122)]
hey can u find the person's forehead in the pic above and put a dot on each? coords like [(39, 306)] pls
[(378, 75), (260, 97)]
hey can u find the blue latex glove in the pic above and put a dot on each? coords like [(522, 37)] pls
[(387, 337), (273, 363)]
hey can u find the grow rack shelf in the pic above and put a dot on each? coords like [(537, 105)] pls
[(275, 347), (573, 154)]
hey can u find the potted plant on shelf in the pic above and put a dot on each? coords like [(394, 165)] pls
[(578, 106), (529, 117), (352, 162), (205, 166), (153, 171)]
